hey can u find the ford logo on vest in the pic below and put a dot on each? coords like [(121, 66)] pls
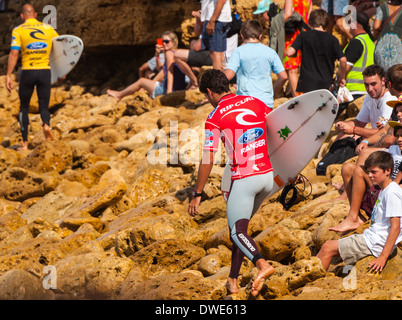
[(36, 46), (250, 135)]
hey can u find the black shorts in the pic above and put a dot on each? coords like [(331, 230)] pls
[(199, 58)]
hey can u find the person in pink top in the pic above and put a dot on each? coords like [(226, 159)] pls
[(239, 121)]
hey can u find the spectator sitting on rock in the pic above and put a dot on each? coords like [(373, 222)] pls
[(360, 192), (374, 111), (384, 232), (170, 79)]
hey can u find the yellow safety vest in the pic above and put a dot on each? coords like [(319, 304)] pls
[(354, 79)]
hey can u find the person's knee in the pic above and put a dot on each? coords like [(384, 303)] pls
[(329, 247), (347, 170), (181, 54)]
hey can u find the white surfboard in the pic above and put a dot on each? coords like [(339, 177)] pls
[(295, 132), (66, 51)]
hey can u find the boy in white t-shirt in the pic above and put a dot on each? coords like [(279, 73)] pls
[(384, 232)]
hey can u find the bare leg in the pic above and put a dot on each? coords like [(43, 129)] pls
[(217, 59), (189, 72), (265, 270), (356, 189), (231, 285), (24, 146), (328, 250), (142, 83), (347, 174), (47, 132)]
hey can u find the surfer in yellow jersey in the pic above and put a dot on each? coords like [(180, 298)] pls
[(34, 40)]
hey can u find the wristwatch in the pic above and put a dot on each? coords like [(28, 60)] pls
[(196, 194)]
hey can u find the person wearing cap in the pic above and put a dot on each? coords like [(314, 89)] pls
[(263, 8), (269, 11), (359, 53)]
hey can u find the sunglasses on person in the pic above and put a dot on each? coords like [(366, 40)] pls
[(166, 41)]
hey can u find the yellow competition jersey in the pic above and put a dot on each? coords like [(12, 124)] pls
[(34, 40)]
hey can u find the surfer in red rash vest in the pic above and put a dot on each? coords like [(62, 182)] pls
[(240, 122)]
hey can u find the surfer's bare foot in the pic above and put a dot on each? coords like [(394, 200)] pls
[(115, 94), (24, 146), (231, 285), (265, 270), (347, 225), (48, 133)]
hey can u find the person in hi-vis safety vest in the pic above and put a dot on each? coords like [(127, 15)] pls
[(359, 54)]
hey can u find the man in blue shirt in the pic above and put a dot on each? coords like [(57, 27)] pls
[(253, 63)]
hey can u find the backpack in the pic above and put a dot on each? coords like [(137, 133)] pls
[(234, 26), (340, 151)]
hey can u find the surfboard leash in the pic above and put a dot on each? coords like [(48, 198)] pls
[(297, 191)]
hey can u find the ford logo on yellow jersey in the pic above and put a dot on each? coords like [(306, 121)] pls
[(36, 46), (250, 135)]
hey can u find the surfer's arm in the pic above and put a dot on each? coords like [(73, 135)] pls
[(204, 170), (12, 62)]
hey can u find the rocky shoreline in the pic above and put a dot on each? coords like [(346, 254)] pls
[(101, 211)]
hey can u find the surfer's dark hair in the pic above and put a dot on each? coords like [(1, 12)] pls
[(214, 80)]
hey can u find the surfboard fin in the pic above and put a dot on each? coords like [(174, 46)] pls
[(320, 135), (293, 104), (322, 106)]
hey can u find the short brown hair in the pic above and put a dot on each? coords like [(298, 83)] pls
[(396, 129), (374, 70), (319, 18), (251, 29), (394, 75), (381, 159)]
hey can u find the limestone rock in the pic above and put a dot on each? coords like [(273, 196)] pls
[(177, 287), (48, 156), (22, 285), (162, 227), (53, 207), (102, 281), (71, 273), (276, 243), (18, 184), (166, 257), (333, 217)]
